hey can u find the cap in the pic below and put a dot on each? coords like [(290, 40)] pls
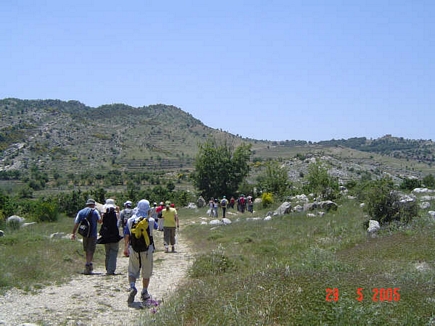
[(128, 203), (168, 203), (90, 202)]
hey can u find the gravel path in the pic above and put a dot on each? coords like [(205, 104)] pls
[(97, 299)]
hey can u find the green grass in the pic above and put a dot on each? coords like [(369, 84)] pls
[(29, 259), (280, 272)]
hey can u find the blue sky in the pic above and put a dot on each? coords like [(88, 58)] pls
[(272, 69)]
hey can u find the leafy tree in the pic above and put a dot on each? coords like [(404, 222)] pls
[(219, 168), (274, 179), (320, 182)]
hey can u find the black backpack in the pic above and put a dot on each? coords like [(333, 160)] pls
[(85, 225), (140, 238), (109, 231)]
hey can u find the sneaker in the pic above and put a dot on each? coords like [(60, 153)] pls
[(173, 249), (131, 295), (145, 296)]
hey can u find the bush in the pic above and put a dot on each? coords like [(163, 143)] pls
[(46, 211), (267, 199), (384, 204)]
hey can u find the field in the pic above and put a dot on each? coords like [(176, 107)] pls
[(290, 270)]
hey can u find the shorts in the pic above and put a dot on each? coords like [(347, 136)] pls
[(89, 244), (144, 264)]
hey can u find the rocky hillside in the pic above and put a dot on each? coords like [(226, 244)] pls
[(71, 138)]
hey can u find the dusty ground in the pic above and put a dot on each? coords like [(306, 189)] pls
[(97, 299)]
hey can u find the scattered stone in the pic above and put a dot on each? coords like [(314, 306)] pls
[(374, 227)]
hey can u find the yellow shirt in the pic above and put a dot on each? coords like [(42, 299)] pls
[(169, 214)]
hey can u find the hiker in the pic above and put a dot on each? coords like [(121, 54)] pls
[(216, 208), (109, 235), (153, 212), (159, 210), (170, 223), (139, 262), (89, 243), (124, 215), (210, 211), (224, 203), (250, 205), (232, 201)]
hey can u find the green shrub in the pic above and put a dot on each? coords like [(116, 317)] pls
[(46, 211), (384, 203)]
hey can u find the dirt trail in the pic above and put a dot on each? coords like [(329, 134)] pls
[(97, 299)]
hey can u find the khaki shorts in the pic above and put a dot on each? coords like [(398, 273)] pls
[(89, 244), (145, 263)]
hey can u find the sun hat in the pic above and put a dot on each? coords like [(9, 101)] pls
[(110, 203), (90, 202), (143, 206)]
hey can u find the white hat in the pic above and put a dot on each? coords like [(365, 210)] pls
[(110, 203)]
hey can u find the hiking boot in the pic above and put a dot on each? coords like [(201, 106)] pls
[(131, 295), (145, 296), (88, 269)]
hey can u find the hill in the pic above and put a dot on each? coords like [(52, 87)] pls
[(69, 138)]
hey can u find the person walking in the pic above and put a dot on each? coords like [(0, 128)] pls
[(124, 215), (170, 224), (89, 243), (109, 235), (139, 262), (224, 204)]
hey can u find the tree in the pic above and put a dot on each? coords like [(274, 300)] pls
[(274, 179), (320, 182), (219, 168)]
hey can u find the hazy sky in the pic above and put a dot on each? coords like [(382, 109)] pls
[(271, 69)]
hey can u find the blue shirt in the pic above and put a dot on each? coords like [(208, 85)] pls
[(95, 216)]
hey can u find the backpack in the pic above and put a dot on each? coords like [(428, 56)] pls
[(85, 228), (223, 203), (109, 231), (127, 213), (140, 238)]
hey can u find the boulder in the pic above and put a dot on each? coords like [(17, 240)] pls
[(374, 227), (328, 205), (200, 202), (15, 219), (285, 208), (57, 235), (424, 205)]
